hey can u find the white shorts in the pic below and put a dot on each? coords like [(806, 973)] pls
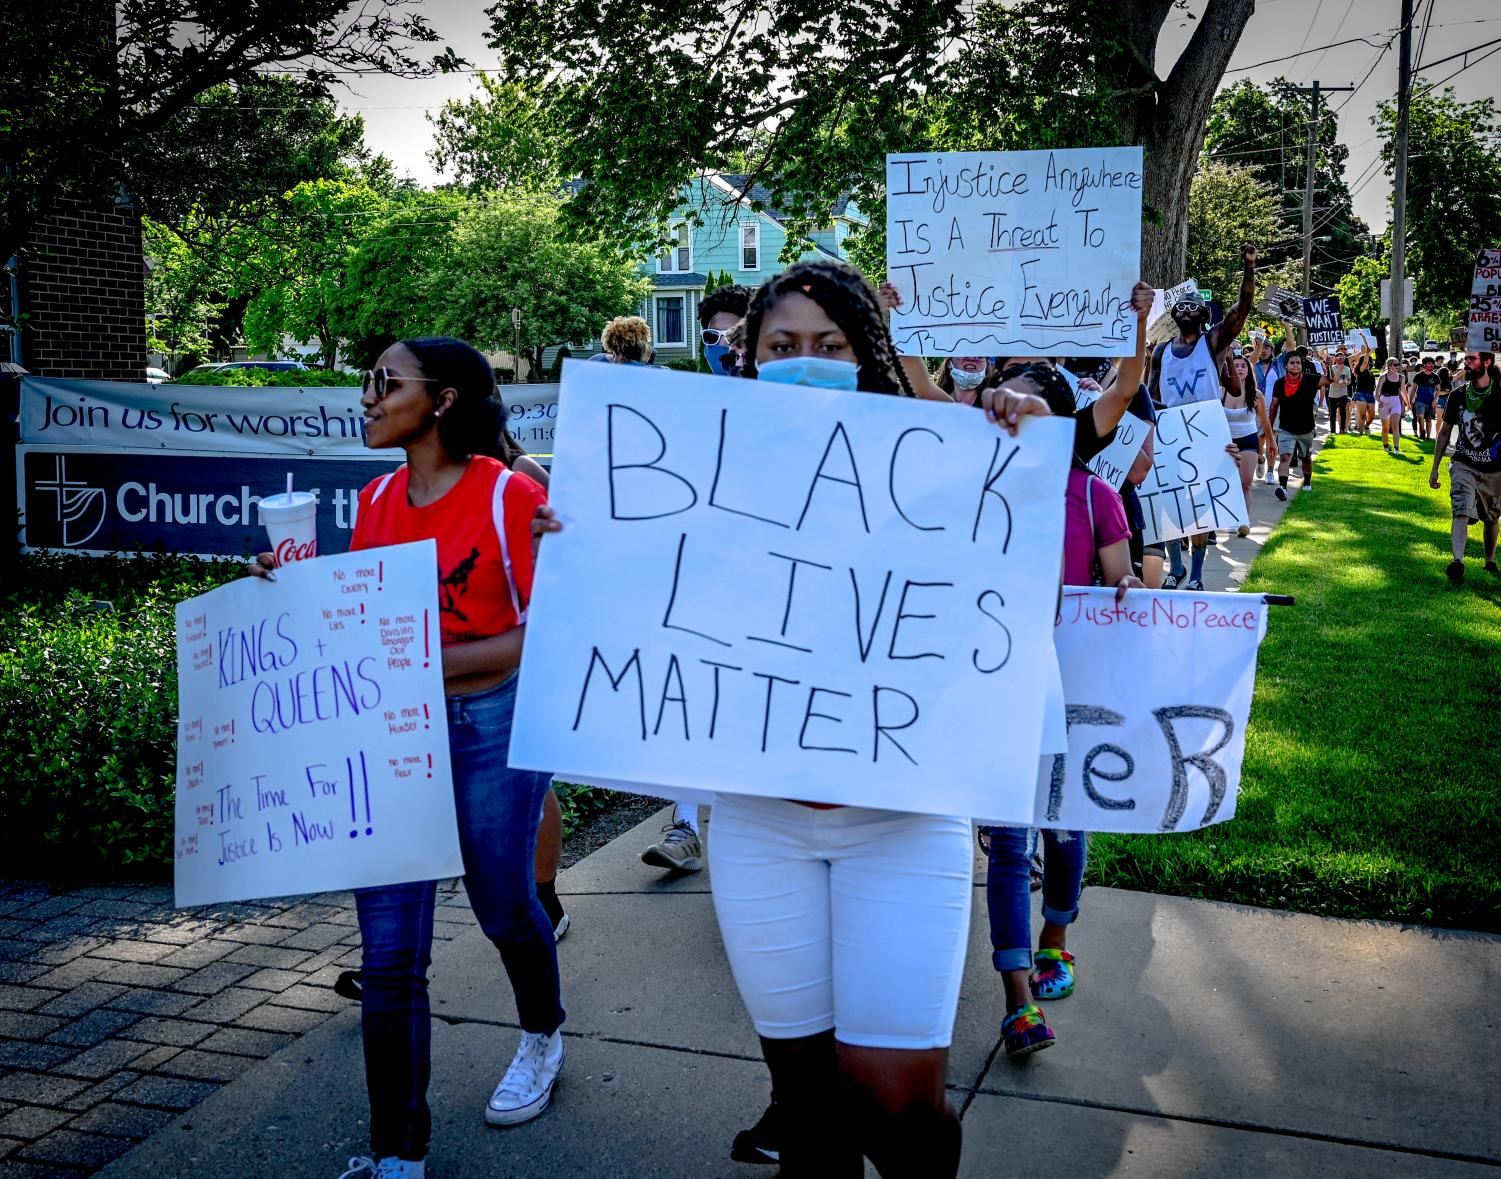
[(853, 919)]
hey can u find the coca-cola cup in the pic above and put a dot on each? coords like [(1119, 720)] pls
[(291, 520)]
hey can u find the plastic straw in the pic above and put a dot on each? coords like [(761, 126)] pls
[(289, 484)]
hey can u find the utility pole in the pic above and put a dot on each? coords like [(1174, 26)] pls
[(1314, 114), (1399, 204)]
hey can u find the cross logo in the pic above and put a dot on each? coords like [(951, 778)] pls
[(80, 508)]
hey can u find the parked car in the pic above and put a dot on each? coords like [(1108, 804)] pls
[(1431, 346), (1410, 348), (211, 367), (156, 376), (273, 366)]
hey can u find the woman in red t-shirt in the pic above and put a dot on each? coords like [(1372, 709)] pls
[(435, 399)]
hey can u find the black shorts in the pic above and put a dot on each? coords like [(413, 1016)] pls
[(1251, 442)]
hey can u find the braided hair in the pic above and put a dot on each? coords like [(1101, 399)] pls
[(850, 301), (476, 421)]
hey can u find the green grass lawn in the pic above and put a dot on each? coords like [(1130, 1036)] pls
[(1373, 755)]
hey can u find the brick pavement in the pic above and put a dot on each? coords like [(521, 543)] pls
[(118, 1012)]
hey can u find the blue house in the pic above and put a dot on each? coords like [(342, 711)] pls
[(733, 237)]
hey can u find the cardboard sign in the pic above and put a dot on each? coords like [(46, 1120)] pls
[(1160, 325), (793, 592), (1193, 485), (1325, 327), (1014, 253), (1158, 689), (1113, 463), (1281, 304), (1483, 323), (312, 741)]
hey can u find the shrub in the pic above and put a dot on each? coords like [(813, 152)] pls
[(300, 378), (89, 697)]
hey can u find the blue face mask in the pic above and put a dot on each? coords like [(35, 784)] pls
[(819, 371), (715, 354)]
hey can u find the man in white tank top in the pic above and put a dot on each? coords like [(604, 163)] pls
[(1186, 369)]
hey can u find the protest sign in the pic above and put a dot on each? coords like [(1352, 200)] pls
[(1484, 320), (1160, 325), (1325, 327), (312, 743), (1158, 689), (1113, 463), (1280, 304), (864, 618), (1193, 485), (1014, 253)]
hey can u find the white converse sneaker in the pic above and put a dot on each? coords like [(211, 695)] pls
[(390, 1167), (526, 1089)]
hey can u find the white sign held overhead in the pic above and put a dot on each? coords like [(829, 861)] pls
[(1193, 485), (825, 627), (1114, 463), (1484, 320), (312, 742), (1160, 324), (1014, 253), (1158, 689)]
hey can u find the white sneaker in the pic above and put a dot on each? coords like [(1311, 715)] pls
[(1260, 469), (526, 1089), (386, 1168), (1271, 477)]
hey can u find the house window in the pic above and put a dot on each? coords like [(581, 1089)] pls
[(750, 247), (671, 319), (679, 258)]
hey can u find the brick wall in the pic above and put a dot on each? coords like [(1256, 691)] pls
[(83, 291)]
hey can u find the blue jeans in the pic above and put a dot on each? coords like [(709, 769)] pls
[(1008, 889), (498, 811)]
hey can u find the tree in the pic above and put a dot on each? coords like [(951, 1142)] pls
[(1227, 206), (497, 139), (1453, 189), (510, 253), (85, 83), (391, 288), (180, 296), (1359, 291), (809, 97), (1265, 129), (295, 266)]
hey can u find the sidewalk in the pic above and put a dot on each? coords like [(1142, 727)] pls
[(1205, 1039)]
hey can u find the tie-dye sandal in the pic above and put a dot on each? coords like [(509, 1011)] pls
[(1025, 1031), (1052, 975)]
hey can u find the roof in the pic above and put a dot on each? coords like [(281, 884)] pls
[(758, 193), (690, 279)]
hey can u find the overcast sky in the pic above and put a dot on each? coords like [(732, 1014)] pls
[(395, 124)]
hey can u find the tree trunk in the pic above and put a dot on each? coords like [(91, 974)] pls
[(1168, 120)]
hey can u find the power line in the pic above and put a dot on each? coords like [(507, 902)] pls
[(1313, 69), (1301, 52)]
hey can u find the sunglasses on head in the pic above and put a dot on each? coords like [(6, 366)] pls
[(381, 379)]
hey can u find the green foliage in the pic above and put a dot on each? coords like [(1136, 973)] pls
[(498, 139), (302, 378), (1359, 291), (511, 253), (1265, 129), (294, 266), (181, 290), (581, 804), (1453, 193), (1338, 814), (1227, 206), (89, 694)]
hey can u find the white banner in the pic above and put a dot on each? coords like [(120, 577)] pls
[(312, 738), (1160, 324), (1014, 253), (226, 419), (1484, 320), (1158, 690), (1193, 485), (1114, 463), (855, 610)]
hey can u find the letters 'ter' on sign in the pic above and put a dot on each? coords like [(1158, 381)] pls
[(1158, 689), (1014, 253), (1193, 484), (312, 742), (857, 610)]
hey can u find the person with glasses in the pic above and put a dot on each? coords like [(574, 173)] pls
[(435, 399), (1473, 416), (718, 313)]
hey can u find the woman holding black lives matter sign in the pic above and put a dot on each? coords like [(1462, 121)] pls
[(434, 398), (846, 927)]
